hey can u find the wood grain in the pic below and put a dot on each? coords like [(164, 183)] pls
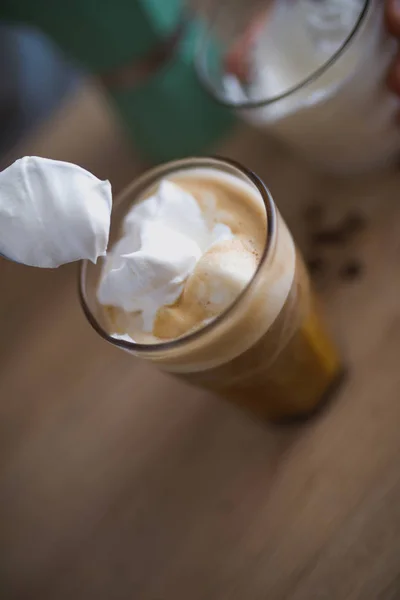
[(117, 482)]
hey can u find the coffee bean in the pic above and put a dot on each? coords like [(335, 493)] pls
[(354, 223), (316, 266), (351, 271), (313, 213), (329, 237)]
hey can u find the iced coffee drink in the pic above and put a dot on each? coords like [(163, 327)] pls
[(203, 280)]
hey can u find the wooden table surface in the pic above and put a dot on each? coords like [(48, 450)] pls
[(117, 482)]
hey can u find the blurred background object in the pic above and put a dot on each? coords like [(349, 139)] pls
[(36, 78), (142, 53), (310, 73)]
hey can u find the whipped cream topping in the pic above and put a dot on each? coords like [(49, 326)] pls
[(170, 249), (52, 213)]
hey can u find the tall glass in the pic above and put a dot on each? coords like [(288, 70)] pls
[(311, 72), (269, 352)]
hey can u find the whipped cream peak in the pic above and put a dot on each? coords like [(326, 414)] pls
[(52, 213), (146, 270), (163, 238), (176, 208)]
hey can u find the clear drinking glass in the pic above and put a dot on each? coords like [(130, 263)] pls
[(311, 72), (269, 352)]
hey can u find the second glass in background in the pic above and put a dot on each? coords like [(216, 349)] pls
[(310, 72)]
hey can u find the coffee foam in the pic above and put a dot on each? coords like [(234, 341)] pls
[(237, 204), (217, 280)]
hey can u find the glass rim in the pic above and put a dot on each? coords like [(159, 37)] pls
[(139, 185), (202, 71)]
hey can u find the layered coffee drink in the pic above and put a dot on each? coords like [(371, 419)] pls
[(204, 281)]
